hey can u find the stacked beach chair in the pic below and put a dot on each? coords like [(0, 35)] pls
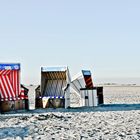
[(83, 86), (13, 95), (54, 91)]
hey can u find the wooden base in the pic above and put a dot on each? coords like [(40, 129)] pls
[(50, 103), (7, 106)]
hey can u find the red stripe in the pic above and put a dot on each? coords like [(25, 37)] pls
[(11, 77), (13, 81), (1, 72), (8, 76), (22, 93), (18, 85), (15, 78), (4, 87), (23, 90), (6, 84), (6, 72), (10, 87), (2, 93), (9, 83), (88, 81)]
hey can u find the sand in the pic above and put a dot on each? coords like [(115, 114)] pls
[(118, 119), (122, 94)]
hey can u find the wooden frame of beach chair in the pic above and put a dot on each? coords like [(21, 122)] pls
[(55, 88), (10, 88), (83, 86)]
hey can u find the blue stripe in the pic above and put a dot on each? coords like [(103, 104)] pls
[(54, 97), (10, 66)]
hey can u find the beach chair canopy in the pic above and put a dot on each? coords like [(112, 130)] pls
[(82, 80), (54, 81), (9, 81)]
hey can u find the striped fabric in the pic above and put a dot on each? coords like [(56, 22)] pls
[(9, 84), (82, 80), (53, 83), (10, 88), (88, 81), (22, 94)]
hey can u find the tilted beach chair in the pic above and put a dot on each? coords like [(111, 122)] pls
[(83, 86)]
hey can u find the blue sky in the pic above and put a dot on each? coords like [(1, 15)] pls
[(103, 36)]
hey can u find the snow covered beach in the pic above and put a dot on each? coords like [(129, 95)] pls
[(118, 119)]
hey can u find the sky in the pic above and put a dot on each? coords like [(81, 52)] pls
[(103, 36)]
